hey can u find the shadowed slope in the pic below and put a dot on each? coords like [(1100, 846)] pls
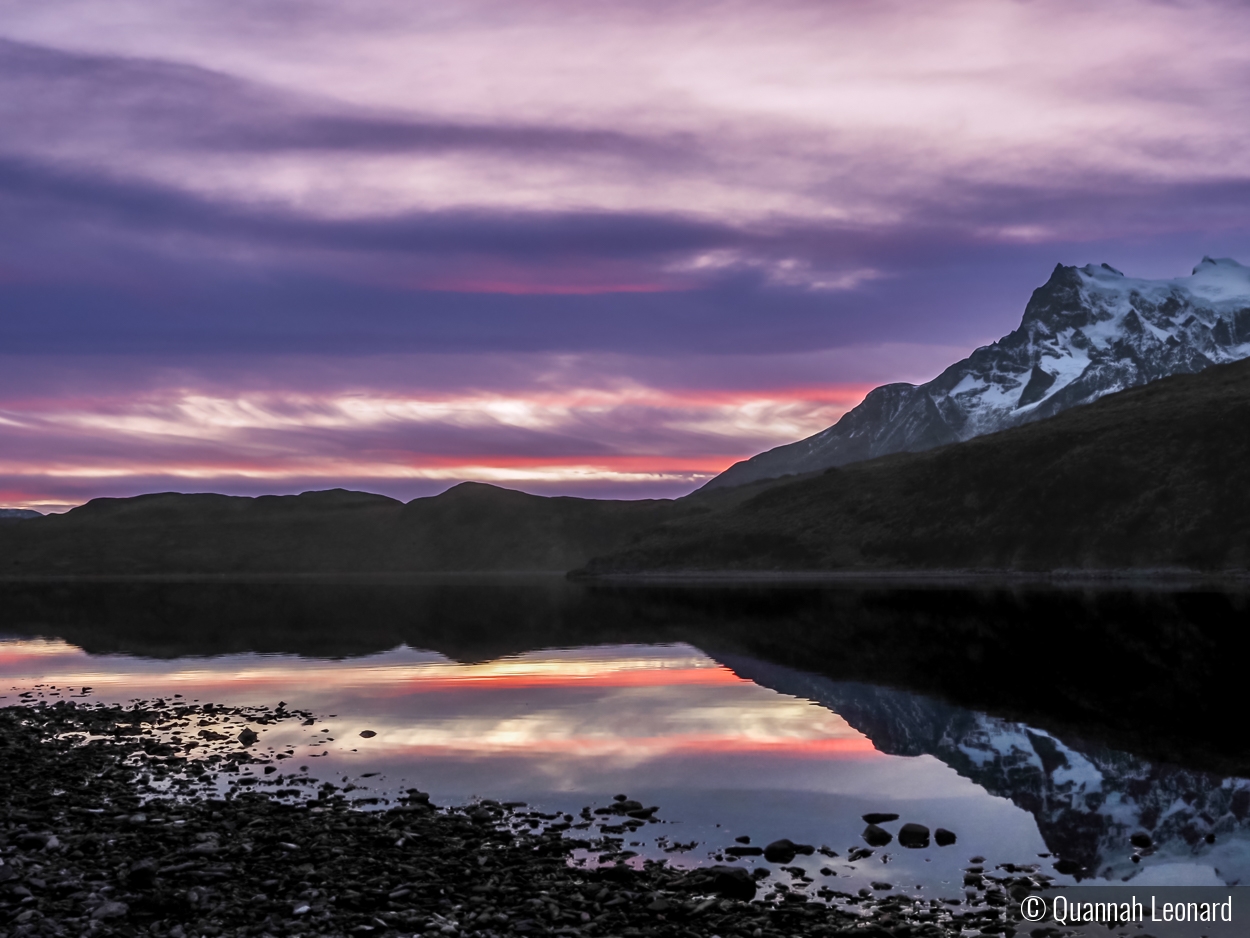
[(1152, 477)]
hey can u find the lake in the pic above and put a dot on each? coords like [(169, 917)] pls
[(1041, 727)]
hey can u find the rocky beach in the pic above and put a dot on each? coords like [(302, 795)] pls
[(168, 818)]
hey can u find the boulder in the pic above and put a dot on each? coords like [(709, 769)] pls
[(914, 836)]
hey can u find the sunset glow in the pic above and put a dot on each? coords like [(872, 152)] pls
[(620, 433), (389, 246), (632, 703)]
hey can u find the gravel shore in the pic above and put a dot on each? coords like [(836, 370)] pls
[(168, 819)]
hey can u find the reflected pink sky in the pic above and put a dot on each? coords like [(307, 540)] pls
[(563, 728)]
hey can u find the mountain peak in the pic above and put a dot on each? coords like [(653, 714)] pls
[(1087, 332), (1219, 263), (1101, 270)]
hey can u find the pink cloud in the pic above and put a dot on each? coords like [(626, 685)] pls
[(558, 424)]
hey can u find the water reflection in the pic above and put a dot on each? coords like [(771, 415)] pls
[(1089, 801), (727, 746)]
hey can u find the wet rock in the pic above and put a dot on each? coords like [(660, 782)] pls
[(141, 875), (780, 851), (728, 882), (33, 841), (1068, 867), (367, 734), (879, 818), (1141, 840), (747, 852), (110, 910), (944, 838), (876, 836), (617, 873), (785, 850), (744, 839), (913, 836), (248, 737)]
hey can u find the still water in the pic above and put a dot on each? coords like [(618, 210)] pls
[(727, 744)]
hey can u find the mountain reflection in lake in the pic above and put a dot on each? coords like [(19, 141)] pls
[(726, 746)]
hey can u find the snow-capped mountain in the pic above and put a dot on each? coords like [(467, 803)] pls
[(1087, 332)]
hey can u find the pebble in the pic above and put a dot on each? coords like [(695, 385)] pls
[(110, 910), (878, 817), (256, 862), (785, 850)]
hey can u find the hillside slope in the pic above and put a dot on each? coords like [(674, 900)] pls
[(1157, 476)]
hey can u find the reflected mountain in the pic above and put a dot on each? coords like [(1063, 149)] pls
[(1089, 801)]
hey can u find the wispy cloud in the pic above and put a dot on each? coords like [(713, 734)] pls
[(695, 186)]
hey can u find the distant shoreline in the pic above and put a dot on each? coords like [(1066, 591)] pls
[(1164, 580)]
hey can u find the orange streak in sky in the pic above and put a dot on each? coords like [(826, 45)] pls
[(822, 747)]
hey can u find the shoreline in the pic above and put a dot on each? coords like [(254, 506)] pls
[(114, 824), (1160, 580)]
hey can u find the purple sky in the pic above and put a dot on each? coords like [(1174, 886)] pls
[(584, 248)]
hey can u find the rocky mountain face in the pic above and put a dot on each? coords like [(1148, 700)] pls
[(1087, 332), (1092, 804)]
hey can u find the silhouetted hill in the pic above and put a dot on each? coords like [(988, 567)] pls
[(1151, 477), (1156, 476), (470, 527)]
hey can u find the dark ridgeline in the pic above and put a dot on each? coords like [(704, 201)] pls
[(471, 527), (1153, 477)]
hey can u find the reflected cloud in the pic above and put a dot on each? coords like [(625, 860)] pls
[(570, 426), (636, 702)]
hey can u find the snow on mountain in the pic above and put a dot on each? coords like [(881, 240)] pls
[(1087, 332)]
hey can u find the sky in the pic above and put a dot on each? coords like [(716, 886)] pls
[(580, 248)]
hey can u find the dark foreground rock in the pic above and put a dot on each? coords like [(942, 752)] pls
[(115, 822)]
